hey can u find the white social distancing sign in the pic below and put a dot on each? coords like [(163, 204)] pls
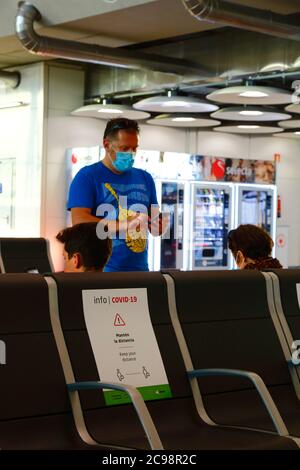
[(123, 342)]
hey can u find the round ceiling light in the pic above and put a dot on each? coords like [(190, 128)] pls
[(248, 129), (109, 111), (183, 119), (172, 103), (250, 113), (291, 124), (289, 135), (171, 120), (175, 104), (293, 108), (251, 95)]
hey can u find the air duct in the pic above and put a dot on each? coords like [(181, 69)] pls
[(243, 17), (72, 50), (11, 79)]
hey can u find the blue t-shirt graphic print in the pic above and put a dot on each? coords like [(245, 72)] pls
[(95, 185)]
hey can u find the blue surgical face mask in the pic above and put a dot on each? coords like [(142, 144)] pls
[(123, 161)]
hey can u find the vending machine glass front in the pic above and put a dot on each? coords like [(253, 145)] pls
[(172, 245), (210, 227), (256, 209)]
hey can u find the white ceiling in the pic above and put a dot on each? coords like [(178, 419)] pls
[(115, 24), (151, 20), (55, 12)]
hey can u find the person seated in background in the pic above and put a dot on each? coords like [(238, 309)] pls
[(83, 250), (252, 247)]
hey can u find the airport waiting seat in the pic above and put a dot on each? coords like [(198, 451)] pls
[(286, 288), (25, 255), (176, 419), (287, 296), (226, 323), (34, 405)]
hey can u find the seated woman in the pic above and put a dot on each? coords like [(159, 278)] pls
[(252, 247)]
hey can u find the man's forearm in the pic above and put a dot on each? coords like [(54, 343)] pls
[(81, 218), (112, 226)]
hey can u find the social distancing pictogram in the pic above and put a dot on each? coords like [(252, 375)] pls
[(119, 320)]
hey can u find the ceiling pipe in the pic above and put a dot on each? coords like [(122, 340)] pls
[(73, 50), (11, 79), (244, 17)]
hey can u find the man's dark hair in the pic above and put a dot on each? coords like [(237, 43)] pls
[(82, 238), (251, 240), (120, 124)]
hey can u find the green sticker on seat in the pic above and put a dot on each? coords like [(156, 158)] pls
[(154, 392)]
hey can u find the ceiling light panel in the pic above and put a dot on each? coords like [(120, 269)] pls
[(250, 113), (293, 108), (110, 111), (253, 95), (289, 134), (291, 124), (176, 120), (249, 129), (175, 104)]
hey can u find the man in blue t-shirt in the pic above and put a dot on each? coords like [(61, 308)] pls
[(123, 199)]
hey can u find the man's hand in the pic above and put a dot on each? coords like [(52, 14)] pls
[(136, 225)]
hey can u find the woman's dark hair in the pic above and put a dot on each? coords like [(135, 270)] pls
[(83, 239), (251, 240), (120, 124)]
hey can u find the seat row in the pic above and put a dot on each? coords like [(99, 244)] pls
[(225, 339), (25, 255)]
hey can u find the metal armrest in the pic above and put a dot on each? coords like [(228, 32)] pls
[(138, 403), (260, 387), (291, 363)]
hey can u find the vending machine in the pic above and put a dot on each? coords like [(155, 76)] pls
[(201, 214), (211, 219), (169, 251)]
